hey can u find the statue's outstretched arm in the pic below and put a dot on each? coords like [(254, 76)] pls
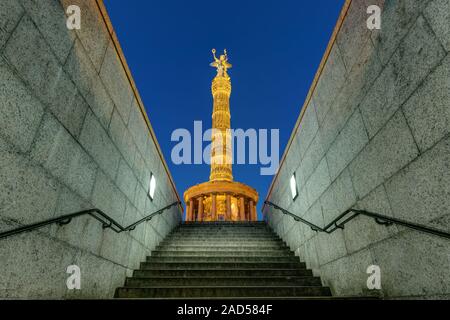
[(214, 55)]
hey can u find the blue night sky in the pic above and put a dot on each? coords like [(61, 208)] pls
[(275, 48)]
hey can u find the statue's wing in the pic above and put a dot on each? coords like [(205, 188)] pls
[(214, 64), (228, 65)]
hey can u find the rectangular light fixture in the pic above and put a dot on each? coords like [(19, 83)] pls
[(293, 185), (152, 187)]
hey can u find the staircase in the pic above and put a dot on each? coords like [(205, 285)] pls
[(222, 260)]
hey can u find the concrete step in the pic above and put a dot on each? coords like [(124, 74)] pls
[(223, 223), (205, 226), (222, 291), (220, 265), (223, 230), (225, 259), (223, 227), (224, 240), (242, 234), (213, 247), (233, 245), (218, 253), (235, 272), (219, 237), (232, 242), (139, 282)]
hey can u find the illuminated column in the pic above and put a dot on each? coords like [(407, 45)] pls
[(221, 194), (254, 214), (200, 209), (228, 207), (213, 207), (187, 212), (242, 208), (250, 210), (221, 153), (191, 210)]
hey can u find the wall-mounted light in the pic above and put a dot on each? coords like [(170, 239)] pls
[(293, 185), (152, 187)]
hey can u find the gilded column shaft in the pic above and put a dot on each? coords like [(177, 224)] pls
[(221, 155), (221, 198)]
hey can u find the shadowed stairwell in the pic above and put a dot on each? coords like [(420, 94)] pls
[(222, 260)]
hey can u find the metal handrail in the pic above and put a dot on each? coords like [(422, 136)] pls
[(107, 221), (353, 213)]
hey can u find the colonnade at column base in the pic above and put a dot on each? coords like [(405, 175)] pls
[(221, 201)]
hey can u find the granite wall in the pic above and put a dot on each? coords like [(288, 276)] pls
[(73, 136), (374, 134)]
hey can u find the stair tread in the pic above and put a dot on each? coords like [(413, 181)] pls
[(224, 256), (237, 269), (225, 287), (221, 262), (225, 277), (262, 298), (231, 291), (216, 247), (245, 251)]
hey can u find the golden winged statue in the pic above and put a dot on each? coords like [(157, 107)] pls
[(221, 63)]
